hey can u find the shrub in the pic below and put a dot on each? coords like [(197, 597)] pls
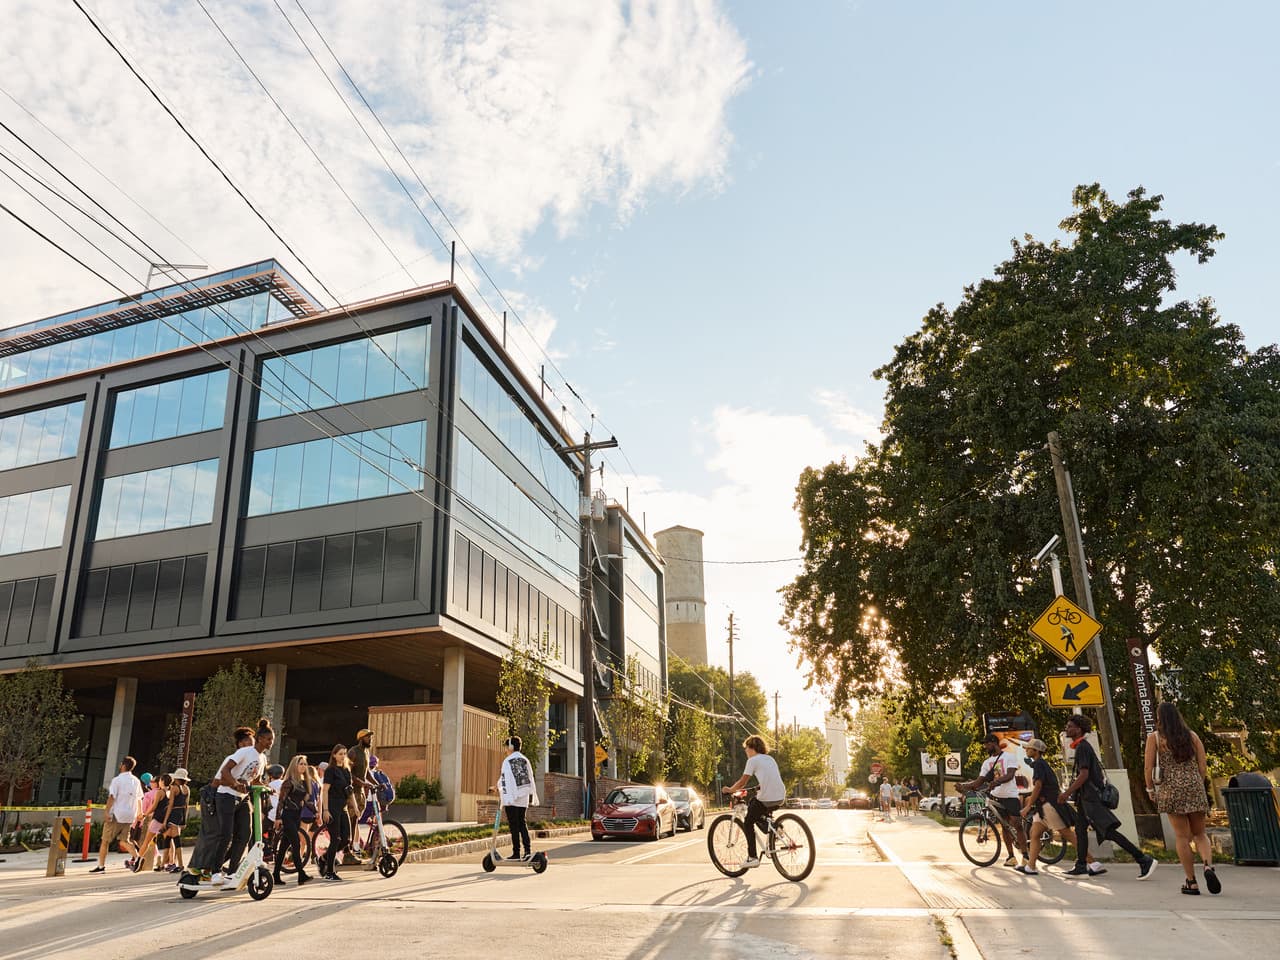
[(415, 789)]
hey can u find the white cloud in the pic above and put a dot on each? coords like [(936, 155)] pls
[(846, 418), (516, 115)]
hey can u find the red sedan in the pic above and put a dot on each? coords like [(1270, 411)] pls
[(637, 812)]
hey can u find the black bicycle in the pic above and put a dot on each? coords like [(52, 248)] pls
[(788, 842), (981, 835)]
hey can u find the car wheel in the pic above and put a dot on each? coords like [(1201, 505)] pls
[(702, 822)]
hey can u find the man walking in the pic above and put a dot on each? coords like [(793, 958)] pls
[(1000, 769), (1045, 802), (1086, 788), (124, 804), (358, 758)]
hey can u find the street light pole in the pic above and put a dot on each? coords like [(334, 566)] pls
[(1108, 733)]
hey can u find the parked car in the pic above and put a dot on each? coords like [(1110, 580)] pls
[(791, 803), (930, 803), (637, 812), (854, 801), (690, 813), (826, 803)]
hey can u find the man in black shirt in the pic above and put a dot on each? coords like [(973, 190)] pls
[(1090, 809), (1051, 814)]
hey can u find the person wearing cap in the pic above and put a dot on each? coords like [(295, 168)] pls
[(999, 769), (1050, 813), (358, 759), (176, 819)]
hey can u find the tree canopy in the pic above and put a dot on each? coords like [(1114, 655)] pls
[(38, 725), (708, 687), (802, 755), (917, 574)]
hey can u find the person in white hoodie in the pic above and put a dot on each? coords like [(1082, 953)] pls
[(517, 792)]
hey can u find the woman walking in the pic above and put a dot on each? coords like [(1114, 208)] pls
[(294, 795), (335, 795), (1175, 773), (155, 814), (176, 819)]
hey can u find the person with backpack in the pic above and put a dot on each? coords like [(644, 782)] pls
[(1087, 789)]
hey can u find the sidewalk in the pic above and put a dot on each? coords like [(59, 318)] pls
[(1008, 914)]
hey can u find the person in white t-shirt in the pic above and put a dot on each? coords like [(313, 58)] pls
[(124, 804), (999, 769), (772, 791), (238, 772)]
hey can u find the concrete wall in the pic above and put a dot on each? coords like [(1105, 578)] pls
[(686, 601)]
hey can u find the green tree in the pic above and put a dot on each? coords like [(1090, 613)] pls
[(916, 569), (637, 723), (708, 687), (693, 746), (38, 721), (230, 698), (524, 694), (802, 758)]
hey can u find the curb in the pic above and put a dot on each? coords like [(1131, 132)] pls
[(482, 845)]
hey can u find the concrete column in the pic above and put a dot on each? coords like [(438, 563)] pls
[(121, 726), (572, 742), (273, 680), (455, 669)]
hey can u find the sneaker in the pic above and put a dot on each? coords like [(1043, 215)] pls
[(332, 878), (1147, 869), (1011, 862), (218, 879), (98, 870), (527, 857), (1096, 869), (751, 862), (173, 868), (1027, 871), (1079, 870), (280, 881), (304, 878)]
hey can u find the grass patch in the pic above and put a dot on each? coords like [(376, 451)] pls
[(944, 937), (424, 841)]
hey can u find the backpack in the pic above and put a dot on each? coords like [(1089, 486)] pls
[(386, 792)]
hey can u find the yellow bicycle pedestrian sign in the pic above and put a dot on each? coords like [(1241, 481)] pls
[(1065, 629)]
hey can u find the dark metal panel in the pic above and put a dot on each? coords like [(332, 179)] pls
[(149, 546), (160, 453), (338, 518), (353, 417)]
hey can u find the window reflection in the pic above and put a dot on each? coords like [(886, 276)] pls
[(357, 466), (170, 409), (39, 436), (34, 520), (166, 498)]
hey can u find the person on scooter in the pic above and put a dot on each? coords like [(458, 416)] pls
[(517, 792), (238, 772)]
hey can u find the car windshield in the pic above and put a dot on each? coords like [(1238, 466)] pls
[(678, 793), (631, 795)]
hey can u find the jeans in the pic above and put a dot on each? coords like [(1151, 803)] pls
[(515, 818), (339, 837), (233, 831), (290, 827), (757, 814)]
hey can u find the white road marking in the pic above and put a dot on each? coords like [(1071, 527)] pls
[(661, 850)]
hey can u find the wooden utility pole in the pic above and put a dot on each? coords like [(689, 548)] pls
[(777, 727), (1108, 734)]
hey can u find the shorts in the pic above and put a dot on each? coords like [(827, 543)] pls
[(1010, 806), (114, 831), (155, 827), (1054, 818)]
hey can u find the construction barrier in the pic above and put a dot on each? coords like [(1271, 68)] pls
[(88, 828), (59, 841)]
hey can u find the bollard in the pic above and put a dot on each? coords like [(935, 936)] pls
[(88, 828), (59, 840)]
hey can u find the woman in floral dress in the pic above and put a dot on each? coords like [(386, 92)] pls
[(1178, 789)]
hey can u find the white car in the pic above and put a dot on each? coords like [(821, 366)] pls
[(930, 803), (826, 803)]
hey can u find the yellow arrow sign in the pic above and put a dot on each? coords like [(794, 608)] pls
[(1074, 690), (1065, 629)]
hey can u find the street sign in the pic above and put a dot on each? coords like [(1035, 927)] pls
[(1074, 690), (953, 764), (928, 764), (877, 769), (1065, 629), (1140, 667), (601, 754)]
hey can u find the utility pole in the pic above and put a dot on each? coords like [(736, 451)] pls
[(733, 746), (1108, 734), (586, 593), (777, 727)]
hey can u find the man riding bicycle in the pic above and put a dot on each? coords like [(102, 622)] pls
[(1000, 769), (772, 791)]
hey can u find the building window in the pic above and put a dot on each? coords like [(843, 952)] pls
[(170, 409), (25, 606), (39, 436), (34, 520), (548, 536), (638, 570), (166, 498), (492, 402), (356, 466), (133, 597), (359, 369)]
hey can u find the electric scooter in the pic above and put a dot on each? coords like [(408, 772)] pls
[(252, 873), (493, 859)]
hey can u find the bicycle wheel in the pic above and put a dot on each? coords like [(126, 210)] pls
[(979, 841), (285, 855), (1052, 849), (727, 845), (397, 840), (793, 851)]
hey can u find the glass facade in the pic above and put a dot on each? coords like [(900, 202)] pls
[(39, 436), (490, 401), (34, 520), (357, 466), (638, 570), (551, 543), (162, 499), (141, 339), (169, 409), (344, 372)]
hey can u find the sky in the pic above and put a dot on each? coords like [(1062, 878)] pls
[(715, 219)]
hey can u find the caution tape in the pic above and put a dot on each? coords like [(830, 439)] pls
[(68, 807)]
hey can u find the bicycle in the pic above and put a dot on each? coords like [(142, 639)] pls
[(370, 839), (981, 834), (1063, 613), (788, 842)]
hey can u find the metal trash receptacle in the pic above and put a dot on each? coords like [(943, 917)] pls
[(1254, 817)]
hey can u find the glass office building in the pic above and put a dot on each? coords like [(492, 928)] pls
[(366, 503)]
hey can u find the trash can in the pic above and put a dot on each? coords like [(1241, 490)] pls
[(1254, 816)]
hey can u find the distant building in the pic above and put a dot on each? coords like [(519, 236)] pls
[(837, 732), (686, 601)]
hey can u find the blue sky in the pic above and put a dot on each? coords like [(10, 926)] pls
[(718, 218)]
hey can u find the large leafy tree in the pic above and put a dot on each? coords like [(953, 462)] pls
[(802, 755), (916, 575), (38, 726), (231, 697), (524, 694), (708, 687)]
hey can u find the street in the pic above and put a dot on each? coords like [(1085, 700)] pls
[(879, 890)]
